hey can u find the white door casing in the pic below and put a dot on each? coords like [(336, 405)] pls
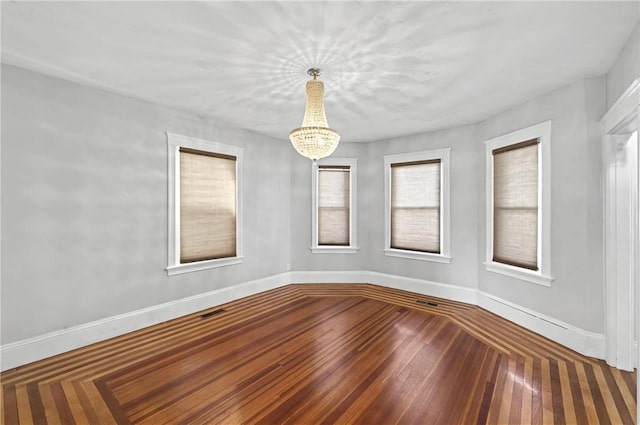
[(621, 228)]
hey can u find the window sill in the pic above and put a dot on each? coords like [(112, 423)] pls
[(519, 273), (334, 249), (202, 265), (415, 255)]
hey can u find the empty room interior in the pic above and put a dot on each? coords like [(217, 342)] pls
[(320, 212)]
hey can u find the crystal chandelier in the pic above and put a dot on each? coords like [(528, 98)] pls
[(314, 139)]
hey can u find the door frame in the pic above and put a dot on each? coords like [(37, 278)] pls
[(622, 118)]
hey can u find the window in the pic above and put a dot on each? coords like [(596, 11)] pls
[(207, 206), (417, 205), (204, 206), (518, 204), (515, 204), (333, 206)]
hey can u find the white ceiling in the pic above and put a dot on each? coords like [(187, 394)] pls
[(390, 68)]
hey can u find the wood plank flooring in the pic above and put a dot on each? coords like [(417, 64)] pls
[(325, 354)]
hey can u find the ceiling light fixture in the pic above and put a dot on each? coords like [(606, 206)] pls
[(314, 139)]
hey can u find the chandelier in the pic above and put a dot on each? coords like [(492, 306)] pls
[(314, 139)]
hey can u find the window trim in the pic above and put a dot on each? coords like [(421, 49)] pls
[(174, 143), (443, 155), (542, 132), (352, 248)]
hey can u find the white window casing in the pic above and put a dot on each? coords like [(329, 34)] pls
[(443, 155), (174, 143), (541, 132), (346, 165)]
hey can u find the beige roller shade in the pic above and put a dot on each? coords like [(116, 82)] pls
[(515, 205), (207, 206), (415, 206), (333, 205)]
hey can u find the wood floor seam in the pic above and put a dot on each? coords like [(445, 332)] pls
[(324, 353)]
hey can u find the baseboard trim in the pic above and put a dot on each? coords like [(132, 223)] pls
[(323, 276), (584, 342), (37, 348), (32, 349), (426, 287)]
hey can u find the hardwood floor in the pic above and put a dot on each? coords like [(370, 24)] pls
[(323, 354)]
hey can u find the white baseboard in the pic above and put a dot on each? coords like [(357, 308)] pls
[(32, 349), (322, 276), (426, 287), (587, 343)]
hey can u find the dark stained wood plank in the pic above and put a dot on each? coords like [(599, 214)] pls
[(630, 381), (556, 394), (10, 404), (490, 391), (308, 340), (347, 353), (434, 389), (112, 404), (576, 394), (349, 387), (494, 410), (453, 407), (612, 387), (62, 404), (85, 403), (328, 382), (195, 359), (380, 397), (35, 403), (517, 394), (628, 396), (567, 396), (596, 393)]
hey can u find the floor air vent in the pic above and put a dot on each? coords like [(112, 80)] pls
[(212, 313), (425, 302)]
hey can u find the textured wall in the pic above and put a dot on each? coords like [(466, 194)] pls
[(576, 294), (84, 205)]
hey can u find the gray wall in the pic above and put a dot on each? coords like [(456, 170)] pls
[(576, 294), (461, 271), (301, 256), (370, 220), (84, 205), (625, 69)]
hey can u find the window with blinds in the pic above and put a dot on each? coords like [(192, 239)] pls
[(207, 183), (334, 205), (415, 206), (515, 204)]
